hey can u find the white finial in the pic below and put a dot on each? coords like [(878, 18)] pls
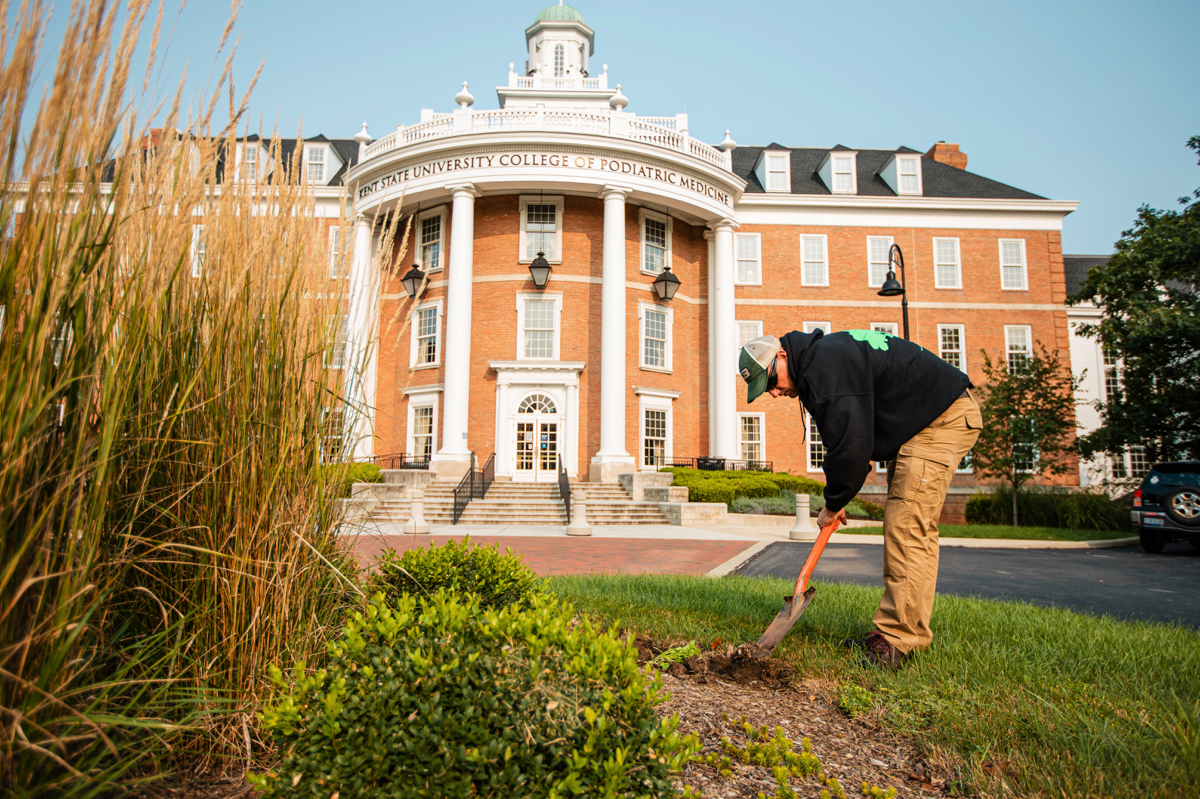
[(606, 69), (729, 144), (511, 65), (362, 137), (618, 100), (464, 98)]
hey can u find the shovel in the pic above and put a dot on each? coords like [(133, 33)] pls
[(795, 604)]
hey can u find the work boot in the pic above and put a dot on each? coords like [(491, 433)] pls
[(860, 642), (881, 654)]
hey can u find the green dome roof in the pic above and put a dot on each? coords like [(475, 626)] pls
[(560, 14)]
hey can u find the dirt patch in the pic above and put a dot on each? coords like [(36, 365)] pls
[(732, 664)]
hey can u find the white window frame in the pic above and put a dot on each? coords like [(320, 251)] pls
[(938, 282), (643, 307), (199, 249), (418, 250), (969, 469), (335, 253), (654, 400), (414, 336), (309, 152), (557, 298), (762, 431), (824, 262), (1008, 345), (890, 328), (1024, 265), (325, 412), (813, 437), (810, 327), (915, 162), (335, 346), (962, 345), (244, 162), (560, 61), (643, 215), (834, 158), (886, 263), (737, 326), (785, 172), (757, 237), (422, 398), (534, 199), (1111, 366)]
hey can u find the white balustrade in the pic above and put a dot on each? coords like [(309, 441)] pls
[(668, 132)]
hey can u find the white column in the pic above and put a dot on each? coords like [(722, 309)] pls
[(362, 344), (712, 307), (723, 354), (612, 459), (455, 455)]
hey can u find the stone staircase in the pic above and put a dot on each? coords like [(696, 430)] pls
[(525, 504)]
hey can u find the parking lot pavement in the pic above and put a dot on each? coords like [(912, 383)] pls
[(1124, 582), (559, 554)]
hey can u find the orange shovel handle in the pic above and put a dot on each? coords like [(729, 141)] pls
[(813, 556)]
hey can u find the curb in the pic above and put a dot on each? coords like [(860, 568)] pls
[(734, 563)]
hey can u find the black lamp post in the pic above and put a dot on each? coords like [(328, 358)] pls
[(892, 288), (666, 284), (413, 280), (540, 270)]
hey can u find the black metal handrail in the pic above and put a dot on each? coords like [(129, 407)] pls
[(712, 464), (487, 476), (564, 487), (399, 460), (464, 492)]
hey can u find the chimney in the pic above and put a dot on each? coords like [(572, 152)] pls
[(948, 153)]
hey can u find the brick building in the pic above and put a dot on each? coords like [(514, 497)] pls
[(595, 367)]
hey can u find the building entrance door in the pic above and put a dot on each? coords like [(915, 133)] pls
[(536, 440)]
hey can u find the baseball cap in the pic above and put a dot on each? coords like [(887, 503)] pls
[(756, 359)]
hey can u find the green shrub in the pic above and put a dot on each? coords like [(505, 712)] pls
[(437, 697), (1047, 507), (347, 474), (700, 490), (797, 485), (770, 506), (498, 579)]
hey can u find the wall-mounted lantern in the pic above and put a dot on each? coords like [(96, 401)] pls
[(413, 280), (540, 270), (666, 284)]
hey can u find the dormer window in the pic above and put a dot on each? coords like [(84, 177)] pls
[(775, 171), (316, 164), (250, 162), (838, 171), (902, 172), (843, 174)]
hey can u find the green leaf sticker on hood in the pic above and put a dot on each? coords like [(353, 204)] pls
[(876, 339)]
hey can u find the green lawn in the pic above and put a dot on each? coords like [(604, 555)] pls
[(1079, 706), (1008, 531)]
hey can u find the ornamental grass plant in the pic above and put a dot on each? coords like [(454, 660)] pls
[(166, 526)]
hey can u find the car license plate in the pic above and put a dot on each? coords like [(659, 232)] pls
[(1153, 522)]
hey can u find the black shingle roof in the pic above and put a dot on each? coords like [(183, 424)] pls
[(1075, 269), (347, 149), (938, 179)]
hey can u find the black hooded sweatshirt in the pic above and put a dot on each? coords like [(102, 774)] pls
[(868, 394)]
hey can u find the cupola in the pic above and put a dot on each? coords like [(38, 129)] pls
[(560, 44)]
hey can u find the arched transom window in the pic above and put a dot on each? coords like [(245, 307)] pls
[(537, 403), (560, 67)]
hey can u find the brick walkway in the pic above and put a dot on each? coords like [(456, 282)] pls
[(583, 555)]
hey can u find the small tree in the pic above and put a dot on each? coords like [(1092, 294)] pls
[(1028, 418)]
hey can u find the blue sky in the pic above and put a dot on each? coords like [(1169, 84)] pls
[(1087, 101)]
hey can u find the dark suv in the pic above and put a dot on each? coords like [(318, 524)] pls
[(1166, 506)]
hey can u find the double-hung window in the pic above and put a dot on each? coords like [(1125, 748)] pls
[(197, 250), (777, 176), (878, 249), (315, 158), (1112, 376), (656, 336), (335, 253), (814, 268), (541, 228), (749, 265), (538, 325), (656, 243), (422, 432), (816, 447), (909, 177), (333, 435), (950, 346), (812, 327), (887, 328), (427, 335), (747, 331), (654, 437), (430, 230), (1012, 265), (751, 438), (843, 174), (335, 346), (1018, 342), (250, 162), (947, 271)]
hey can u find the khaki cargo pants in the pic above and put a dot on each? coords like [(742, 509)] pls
[(917, 484)]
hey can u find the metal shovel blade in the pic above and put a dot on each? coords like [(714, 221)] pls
[(784, 619)]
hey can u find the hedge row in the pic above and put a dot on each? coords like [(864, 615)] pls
[(347, 474), (1042, 507), (706, 486)]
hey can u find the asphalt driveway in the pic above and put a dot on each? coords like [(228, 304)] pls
[(1124, 581)]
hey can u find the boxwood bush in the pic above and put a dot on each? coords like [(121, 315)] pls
[(347, 474), (437, 697), (1046, 507), (498, 579)]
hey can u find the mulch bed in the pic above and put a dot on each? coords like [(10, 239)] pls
[(713, 691)]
